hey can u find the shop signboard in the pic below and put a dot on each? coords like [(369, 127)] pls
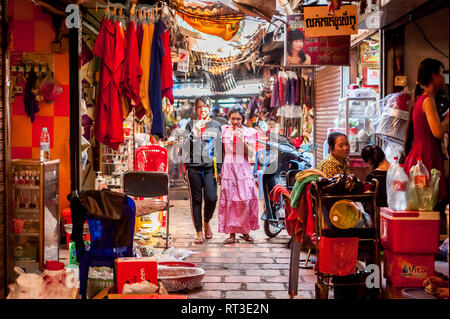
[(318, 22), (300, 50)]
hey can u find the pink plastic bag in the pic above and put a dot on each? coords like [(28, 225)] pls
[(49, 88)]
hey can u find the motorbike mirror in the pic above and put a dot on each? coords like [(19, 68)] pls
[(263, 126)]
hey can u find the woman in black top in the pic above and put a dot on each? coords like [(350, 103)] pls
[(202, 146), (374, 156)]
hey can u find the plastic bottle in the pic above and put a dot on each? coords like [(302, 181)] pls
[(45, 145), (99, 181), (421, 178), (396, 186)]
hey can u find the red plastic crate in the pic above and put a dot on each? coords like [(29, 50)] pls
[(407, 270), (409, 232)]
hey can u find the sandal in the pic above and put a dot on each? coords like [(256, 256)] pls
[(247, 238), (208, 235), (229, 240), (199, 240)]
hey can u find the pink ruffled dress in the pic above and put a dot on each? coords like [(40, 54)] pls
[(238, 203)]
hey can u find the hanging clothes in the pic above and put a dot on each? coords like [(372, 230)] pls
[(154, 88), (110, 48), (275, 101), (132, 71), (29, 99), (145, 61), (166, 68), (140, 37), (282, 86)]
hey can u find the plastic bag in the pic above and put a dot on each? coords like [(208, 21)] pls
[(49, 88), (392, 116)]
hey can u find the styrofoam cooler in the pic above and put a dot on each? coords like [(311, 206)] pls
[(409, 232), (407, 270)]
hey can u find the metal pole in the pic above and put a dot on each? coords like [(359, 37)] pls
[(75, 119)]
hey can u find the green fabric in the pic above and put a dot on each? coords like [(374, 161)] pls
[(298, 188)]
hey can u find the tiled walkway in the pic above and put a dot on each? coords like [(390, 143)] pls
[(241, 270)]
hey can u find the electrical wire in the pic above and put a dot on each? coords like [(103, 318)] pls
[(428, 41)]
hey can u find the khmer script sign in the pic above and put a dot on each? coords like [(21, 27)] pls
[(319, 23)]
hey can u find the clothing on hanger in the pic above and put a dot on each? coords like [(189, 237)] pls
[(110, 48), (154, 89), (132, 71), (29, 98)]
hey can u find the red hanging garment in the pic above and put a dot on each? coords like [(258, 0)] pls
[(337, 256), (110, 47), (166, 69), (132, 71)]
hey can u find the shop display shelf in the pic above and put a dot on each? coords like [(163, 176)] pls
[(26, 210), (26, 187)]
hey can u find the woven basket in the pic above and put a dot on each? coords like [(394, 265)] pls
[(180, 278)]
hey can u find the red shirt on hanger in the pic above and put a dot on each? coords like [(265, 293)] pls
[(110, 47), (132, 71), (166, 68)]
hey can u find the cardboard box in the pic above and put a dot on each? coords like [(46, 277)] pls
[(132, 270)]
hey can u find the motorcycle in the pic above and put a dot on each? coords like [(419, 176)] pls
[(279, 157)]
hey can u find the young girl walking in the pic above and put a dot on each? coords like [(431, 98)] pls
[(238, 203)]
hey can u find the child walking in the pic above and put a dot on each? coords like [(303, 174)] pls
[(238, 203)]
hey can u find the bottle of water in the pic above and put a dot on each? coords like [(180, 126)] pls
[(421, 178), (396, 186), (45, 145)]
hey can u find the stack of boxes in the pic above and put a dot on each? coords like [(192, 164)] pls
[(410, 240)]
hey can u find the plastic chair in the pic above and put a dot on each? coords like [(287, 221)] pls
[(151, 158), (260, 172), (102, 251), (148, 184)]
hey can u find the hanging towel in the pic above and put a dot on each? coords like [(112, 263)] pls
[(337, 256)]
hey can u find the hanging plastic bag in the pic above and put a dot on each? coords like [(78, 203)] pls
[(434, 183), (49, 88)]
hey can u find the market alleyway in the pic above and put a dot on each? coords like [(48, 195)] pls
[(241, 270)]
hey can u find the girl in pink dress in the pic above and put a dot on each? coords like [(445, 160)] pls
[(238, 203)]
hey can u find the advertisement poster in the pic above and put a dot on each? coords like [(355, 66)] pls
[(300, 50), (318, 22), (183, 63)]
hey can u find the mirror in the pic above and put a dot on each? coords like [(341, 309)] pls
[(263, 126)]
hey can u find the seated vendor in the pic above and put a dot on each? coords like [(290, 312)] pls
[(337, 161), (375, 158)]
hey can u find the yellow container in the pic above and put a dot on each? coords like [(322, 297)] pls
[(344, 214)]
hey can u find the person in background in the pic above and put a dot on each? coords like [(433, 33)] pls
[(375, 158), (337, 161), (425, 130), (238, 203), (217, 117), (201, 143)]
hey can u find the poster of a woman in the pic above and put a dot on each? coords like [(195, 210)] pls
[(295, 54), (300, 49)]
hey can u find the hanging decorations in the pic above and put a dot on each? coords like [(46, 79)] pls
[(215, 19)]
